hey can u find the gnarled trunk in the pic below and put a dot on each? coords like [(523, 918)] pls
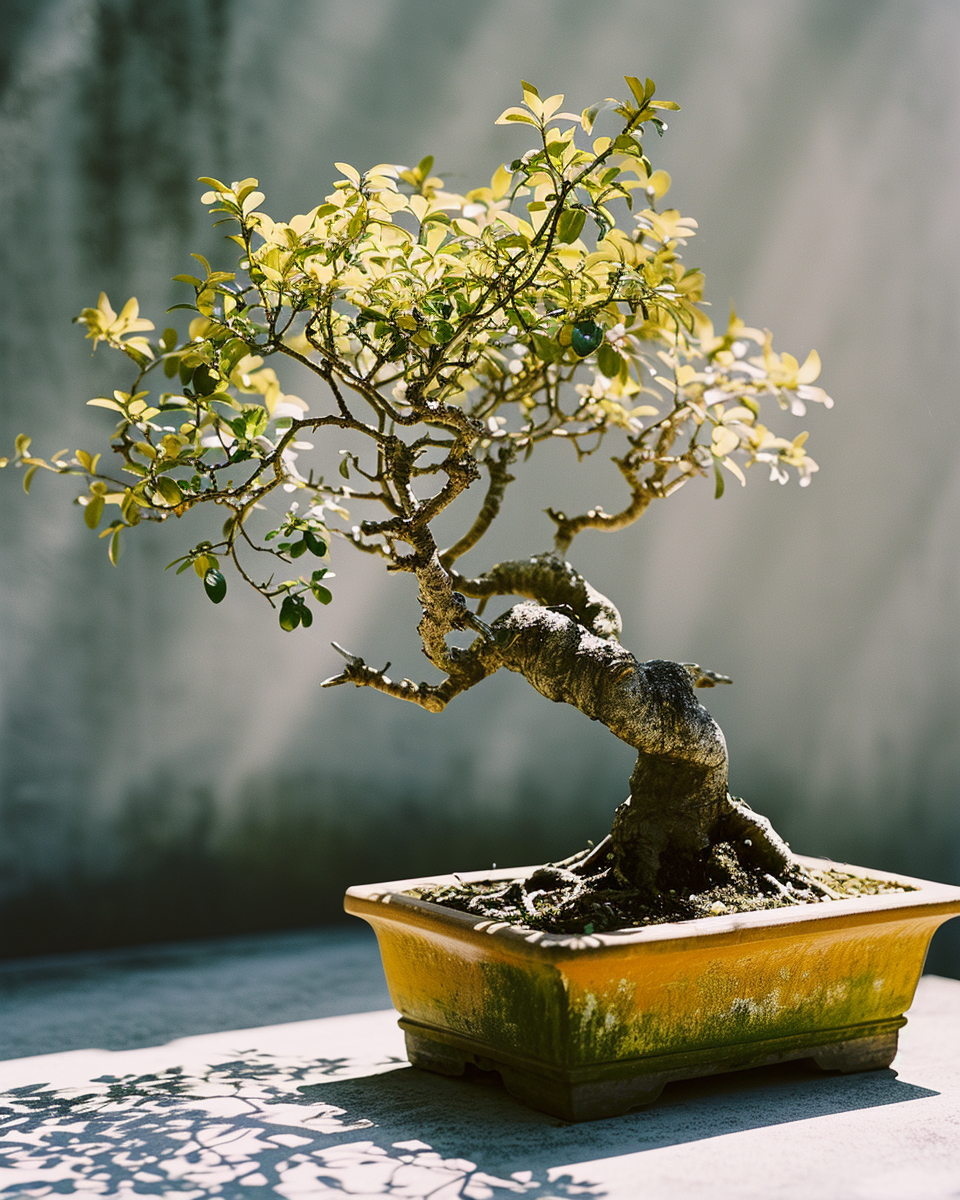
[(564, 640), (678, 807)]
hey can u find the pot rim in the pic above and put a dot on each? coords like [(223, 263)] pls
[(930, 900)]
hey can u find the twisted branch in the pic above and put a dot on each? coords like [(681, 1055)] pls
[(500, 477), (549, 580)]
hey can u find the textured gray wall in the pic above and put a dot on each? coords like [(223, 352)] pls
[(169, 768)]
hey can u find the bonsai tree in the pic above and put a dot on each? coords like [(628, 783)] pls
[(455, 336)]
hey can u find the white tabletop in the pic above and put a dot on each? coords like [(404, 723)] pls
[(270, 1066)]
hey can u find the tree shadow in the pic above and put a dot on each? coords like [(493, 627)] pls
[(261, 1124)]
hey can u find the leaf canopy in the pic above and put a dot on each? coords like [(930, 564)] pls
[(456, 334)]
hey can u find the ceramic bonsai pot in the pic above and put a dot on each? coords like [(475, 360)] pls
[(583, 1027)]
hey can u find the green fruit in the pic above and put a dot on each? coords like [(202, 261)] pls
[(215, 585), (316, 545), (290, 614), (585, 337)]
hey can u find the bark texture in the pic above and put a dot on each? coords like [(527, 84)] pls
[(679, 822), (678, 806)]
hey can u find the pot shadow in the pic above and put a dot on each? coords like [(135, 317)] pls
[(260, 1125)]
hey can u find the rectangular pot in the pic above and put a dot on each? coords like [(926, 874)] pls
[(589, 1026)]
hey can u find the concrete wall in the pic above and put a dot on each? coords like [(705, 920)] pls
[(167, 768)]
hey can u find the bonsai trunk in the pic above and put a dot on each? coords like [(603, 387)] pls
[(678, 809), (679, 824)]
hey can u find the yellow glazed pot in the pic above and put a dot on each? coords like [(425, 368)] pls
[(589, 1026)]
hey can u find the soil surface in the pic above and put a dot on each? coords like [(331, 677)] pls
[(556, 900)]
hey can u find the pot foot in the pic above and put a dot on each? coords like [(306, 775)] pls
[(588, 1100), (574, 1102), (592, 1092), (431, 1055), (859, 1054)]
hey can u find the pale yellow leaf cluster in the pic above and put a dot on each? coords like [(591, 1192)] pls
[(105, 325)]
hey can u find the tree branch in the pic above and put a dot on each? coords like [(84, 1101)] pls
[(472, 665), (500, 477), (549, 580), (641, 494)]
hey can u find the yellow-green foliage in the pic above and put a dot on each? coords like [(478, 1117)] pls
[(551, 303)]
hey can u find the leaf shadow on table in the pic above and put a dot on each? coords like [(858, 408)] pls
[(261, 1125)]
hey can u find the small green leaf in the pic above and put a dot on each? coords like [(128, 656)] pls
[(314, 544), (718, 491), (234, 350), (570, 225), (113, 546), (443, 331), (324, 595), (545, 349), (290, 614), (609, 361), (205, 380), (168, 492), (93, 512), (298, 548), (636, 87)]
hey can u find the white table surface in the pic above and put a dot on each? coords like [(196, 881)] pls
[(272, 1066)]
